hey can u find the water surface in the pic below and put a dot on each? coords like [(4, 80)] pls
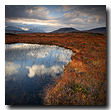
[(29, 68)]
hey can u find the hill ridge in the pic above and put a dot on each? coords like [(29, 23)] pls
[(65, 30), (70, 29)]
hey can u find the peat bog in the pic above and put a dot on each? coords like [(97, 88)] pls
[(84, 78)]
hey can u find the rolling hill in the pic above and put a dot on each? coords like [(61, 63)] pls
[(97, 30), (66, 30)]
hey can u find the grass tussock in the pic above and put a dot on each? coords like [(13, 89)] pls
[(76, 88)]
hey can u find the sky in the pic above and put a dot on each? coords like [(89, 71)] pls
[(52, 17)]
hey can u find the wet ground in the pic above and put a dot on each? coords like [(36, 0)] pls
[(29, 68)]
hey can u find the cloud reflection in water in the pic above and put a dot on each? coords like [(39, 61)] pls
[(11, 68), (37, 59), (41, 70)]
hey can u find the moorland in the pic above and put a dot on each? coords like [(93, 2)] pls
[(84, 78)]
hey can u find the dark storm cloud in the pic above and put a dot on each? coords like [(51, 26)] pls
[(90, 10), (25, 11), (84, 16)]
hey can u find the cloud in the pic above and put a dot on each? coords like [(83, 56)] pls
[(42, 70), (20, 51), (84, 17), (64, 56), (77, 16), (11, 68), (26, 11), (59, 9), (67, 7), (27, 56), (38, 55), (26, 29), (24, 52), (86, 10)]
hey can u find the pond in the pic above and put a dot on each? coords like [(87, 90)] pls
[(29, 68)]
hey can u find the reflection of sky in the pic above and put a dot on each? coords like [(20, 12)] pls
[(30, 67), (35, 58)]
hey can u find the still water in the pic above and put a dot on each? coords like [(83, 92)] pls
[(29, 68)]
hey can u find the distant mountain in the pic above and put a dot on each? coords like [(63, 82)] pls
[(12, 29), (96, 30), (65, 30), (36, 30)]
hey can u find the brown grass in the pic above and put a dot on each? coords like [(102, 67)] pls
[(84, 78)]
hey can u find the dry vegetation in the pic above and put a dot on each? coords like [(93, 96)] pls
[(84, 78)]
